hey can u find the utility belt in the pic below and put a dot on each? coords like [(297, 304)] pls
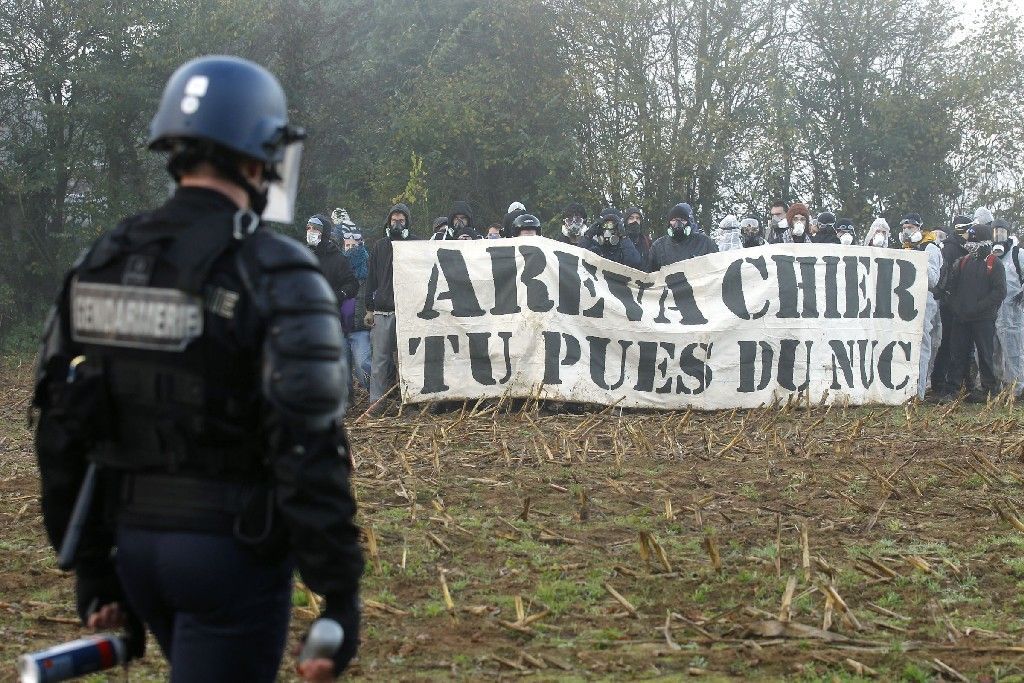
[(182, 503)]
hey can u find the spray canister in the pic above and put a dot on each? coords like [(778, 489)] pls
[(77, 658), (323, 640)]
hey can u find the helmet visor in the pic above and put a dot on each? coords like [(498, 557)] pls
[(282, 191)]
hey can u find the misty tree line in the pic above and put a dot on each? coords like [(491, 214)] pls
[(864, 107)]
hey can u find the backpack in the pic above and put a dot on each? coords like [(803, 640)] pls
[(990, 262)]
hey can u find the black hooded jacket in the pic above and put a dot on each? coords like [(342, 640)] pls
[(625, 252), (335, 266), (977, 284), (468, 232), (637, 233), (667, 250), (952, 250), (380, 285)]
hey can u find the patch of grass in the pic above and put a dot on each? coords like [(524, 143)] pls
[(564, 595), (974, 482), (913, 673), (890, 600), (1016, 566), (749, 492)]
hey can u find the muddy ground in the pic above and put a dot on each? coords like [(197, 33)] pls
[(800, 543)]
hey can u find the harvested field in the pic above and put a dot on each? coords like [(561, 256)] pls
[(809, 543)]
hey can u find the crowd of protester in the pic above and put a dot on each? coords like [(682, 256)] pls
[(973, 338)]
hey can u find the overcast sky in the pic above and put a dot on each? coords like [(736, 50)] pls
[(971, 7)]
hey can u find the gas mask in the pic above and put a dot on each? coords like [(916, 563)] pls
[(493, 236), (751, 235), (397, 228), (572, 226), (879, 240), (678, 228), (846, 238), (313, 237), (609, 234), (799, 226), (911, 234)]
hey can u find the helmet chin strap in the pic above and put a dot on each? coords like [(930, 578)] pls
[(257, 199)]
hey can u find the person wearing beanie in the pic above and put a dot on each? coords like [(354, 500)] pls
[(1008, 355), (636, 231), (878, 234), (846, 232), (340, 217), (982, 216), (683, 240), (826, 229), (914, 235), (952, 251), (977, 290), (574, 223), (332, 262), (380, 303), (798, 220), (340, 223), (727, 236), (607, 238)]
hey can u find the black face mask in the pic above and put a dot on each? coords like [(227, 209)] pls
[(257, 199), (633, 228)]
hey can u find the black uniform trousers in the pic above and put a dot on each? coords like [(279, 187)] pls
[(977, 336), (218, 612)]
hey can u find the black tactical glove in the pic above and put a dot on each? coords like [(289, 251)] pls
[(96, 585), (345, 611)]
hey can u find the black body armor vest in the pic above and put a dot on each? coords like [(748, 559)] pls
[(153, 305)]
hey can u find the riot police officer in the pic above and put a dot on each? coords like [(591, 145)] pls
[(195, 358)]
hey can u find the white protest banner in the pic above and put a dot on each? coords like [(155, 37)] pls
[(534, 317)]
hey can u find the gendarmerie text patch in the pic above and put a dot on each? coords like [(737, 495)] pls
[(134, 317)]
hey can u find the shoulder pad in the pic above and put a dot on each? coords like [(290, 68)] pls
[(272, 251), (299, 291), (305, 369)]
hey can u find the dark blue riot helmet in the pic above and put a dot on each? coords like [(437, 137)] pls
[(222, 109)]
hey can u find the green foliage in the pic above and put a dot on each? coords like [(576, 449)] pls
[(647, 102)]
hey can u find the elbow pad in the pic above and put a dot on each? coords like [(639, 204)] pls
[(305, 357)]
